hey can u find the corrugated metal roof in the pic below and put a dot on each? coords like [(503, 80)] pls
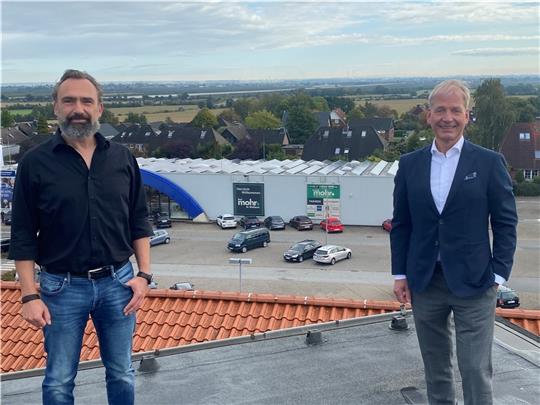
[(285, 167)]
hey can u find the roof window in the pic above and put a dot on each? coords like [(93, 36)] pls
[(524, 136)]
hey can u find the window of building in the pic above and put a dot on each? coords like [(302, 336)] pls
[(524, 136), (349, 134), (337, 151), (364, 134), (346, 151), (169, 135), (147, 133), (326, 133), (139, 147), (530, 174), (203, 134)]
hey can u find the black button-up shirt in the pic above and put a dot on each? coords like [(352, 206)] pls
[(71, 218)]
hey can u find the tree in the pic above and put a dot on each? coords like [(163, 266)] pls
[(7, 118), (242, 107), (493, 113), (204, 119), (370, 110), (301, 124), (136, 118), (385, 111), (356, 113), (262, 120), (42, 125), (108, 117), (275, 151), (179, 148), (345, 103), (230, 116), (319, 103), (245, 149), (523, 109)]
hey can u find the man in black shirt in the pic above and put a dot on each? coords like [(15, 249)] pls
[(79, 211)]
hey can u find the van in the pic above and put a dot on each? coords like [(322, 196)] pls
[(243, 241)]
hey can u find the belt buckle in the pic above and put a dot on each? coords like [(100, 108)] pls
[(93, 271)]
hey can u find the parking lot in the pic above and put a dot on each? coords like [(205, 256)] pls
[(198, 253)]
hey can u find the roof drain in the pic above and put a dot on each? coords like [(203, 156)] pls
[(399, 322), (314, 337), (148, 364)]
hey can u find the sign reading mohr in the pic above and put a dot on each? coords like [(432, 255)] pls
[(322, 200), (248, 199)]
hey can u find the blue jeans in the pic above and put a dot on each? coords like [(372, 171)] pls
[(71, 300)]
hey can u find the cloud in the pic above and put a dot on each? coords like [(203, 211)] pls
[(498, 51)]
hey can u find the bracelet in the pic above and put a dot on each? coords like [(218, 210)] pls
[(30, 297)]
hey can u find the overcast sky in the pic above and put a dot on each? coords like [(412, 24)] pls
[(127, 41)]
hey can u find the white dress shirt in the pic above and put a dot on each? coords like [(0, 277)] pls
[(443, 169)]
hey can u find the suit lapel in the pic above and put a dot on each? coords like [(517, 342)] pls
[(464, 166), (425, 178)]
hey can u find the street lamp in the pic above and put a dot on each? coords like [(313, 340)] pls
[(326, 212), (240, 262)]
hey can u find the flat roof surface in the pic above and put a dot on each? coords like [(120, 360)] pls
[(359, 361)]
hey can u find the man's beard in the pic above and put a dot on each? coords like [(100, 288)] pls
[(78, 131)]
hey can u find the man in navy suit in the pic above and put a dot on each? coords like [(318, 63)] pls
[(446, 196)]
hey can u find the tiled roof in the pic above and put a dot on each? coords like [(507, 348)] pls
[(172, 318)]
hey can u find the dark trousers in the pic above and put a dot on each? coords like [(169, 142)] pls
[(474, 319)]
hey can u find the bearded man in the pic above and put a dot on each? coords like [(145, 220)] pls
[(79, 211)]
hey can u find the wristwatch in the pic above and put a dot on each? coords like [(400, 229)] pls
[(147, 276)]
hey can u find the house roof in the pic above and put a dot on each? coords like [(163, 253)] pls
[(171, 318), (353, 361), (235, 132), (107, 130), (323, 118), (195, 136), (135, 133), (13, 136), (360, 142), (379, 124), (270, 136), (522, 153)]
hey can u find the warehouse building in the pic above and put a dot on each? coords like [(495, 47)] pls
[(359, 193)]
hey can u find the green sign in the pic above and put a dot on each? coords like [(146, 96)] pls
[(323, 191)]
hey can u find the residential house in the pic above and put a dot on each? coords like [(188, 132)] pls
[(12, 138), (195, 137), (521, 148), (137, 138), (234, 132), (383, 126), (107, 130), (335, 118), (348, 143)]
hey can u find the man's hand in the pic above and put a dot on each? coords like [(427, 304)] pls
[(401, 291), (140, 287), (36, 313)]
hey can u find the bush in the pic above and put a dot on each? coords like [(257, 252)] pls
[(527, 189), (536, 179), (8, 275), (519, 177)]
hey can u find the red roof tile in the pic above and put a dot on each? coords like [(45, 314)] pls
[(172, 318)]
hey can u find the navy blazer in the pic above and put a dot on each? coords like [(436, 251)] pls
[(480, 194)]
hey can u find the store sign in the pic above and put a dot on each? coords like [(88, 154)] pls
[(323, 200), (248, 199)]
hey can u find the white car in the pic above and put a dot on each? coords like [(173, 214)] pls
[(331, 254), (226, 221)]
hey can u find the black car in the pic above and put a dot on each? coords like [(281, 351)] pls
[(301, 250), (7, 218), (507, 298), (274, 222), (5, 244), (250, 222), (162, 220), (301, 222)]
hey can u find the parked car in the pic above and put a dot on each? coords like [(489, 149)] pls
[(160, 236), (507, 298), (245, 240), (387, 225), (331, 254), (7, 218), (274, 222), (162, 220), (302, 250), (250, 222), (301, 222), (332, 224), (5, 244), (226, 221)]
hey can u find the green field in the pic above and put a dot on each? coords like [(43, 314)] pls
[(161, 112), (21, 112), (400, 105)]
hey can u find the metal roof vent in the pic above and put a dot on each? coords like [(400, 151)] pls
[(314, 337), (399, 322), (148, 364)]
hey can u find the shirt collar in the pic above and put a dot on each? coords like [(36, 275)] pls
[(101, 142), (454, 149)]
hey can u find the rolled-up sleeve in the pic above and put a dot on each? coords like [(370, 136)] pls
[(138, 216), (25, 220)]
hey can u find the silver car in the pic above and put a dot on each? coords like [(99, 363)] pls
[(331, 254), (160, 236), (226, 221)]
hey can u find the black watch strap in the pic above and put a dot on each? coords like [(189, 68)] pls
[(148, 277), (30, 297)]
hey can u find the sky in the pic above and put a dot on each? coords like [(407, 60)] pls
[(272, 40)]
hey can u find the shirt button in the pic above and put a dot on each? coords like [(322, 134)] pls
[(441, 222), (436, 243)]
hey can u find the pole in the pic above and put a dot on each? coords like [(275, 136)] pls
[(240, 270), (326, 209)]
